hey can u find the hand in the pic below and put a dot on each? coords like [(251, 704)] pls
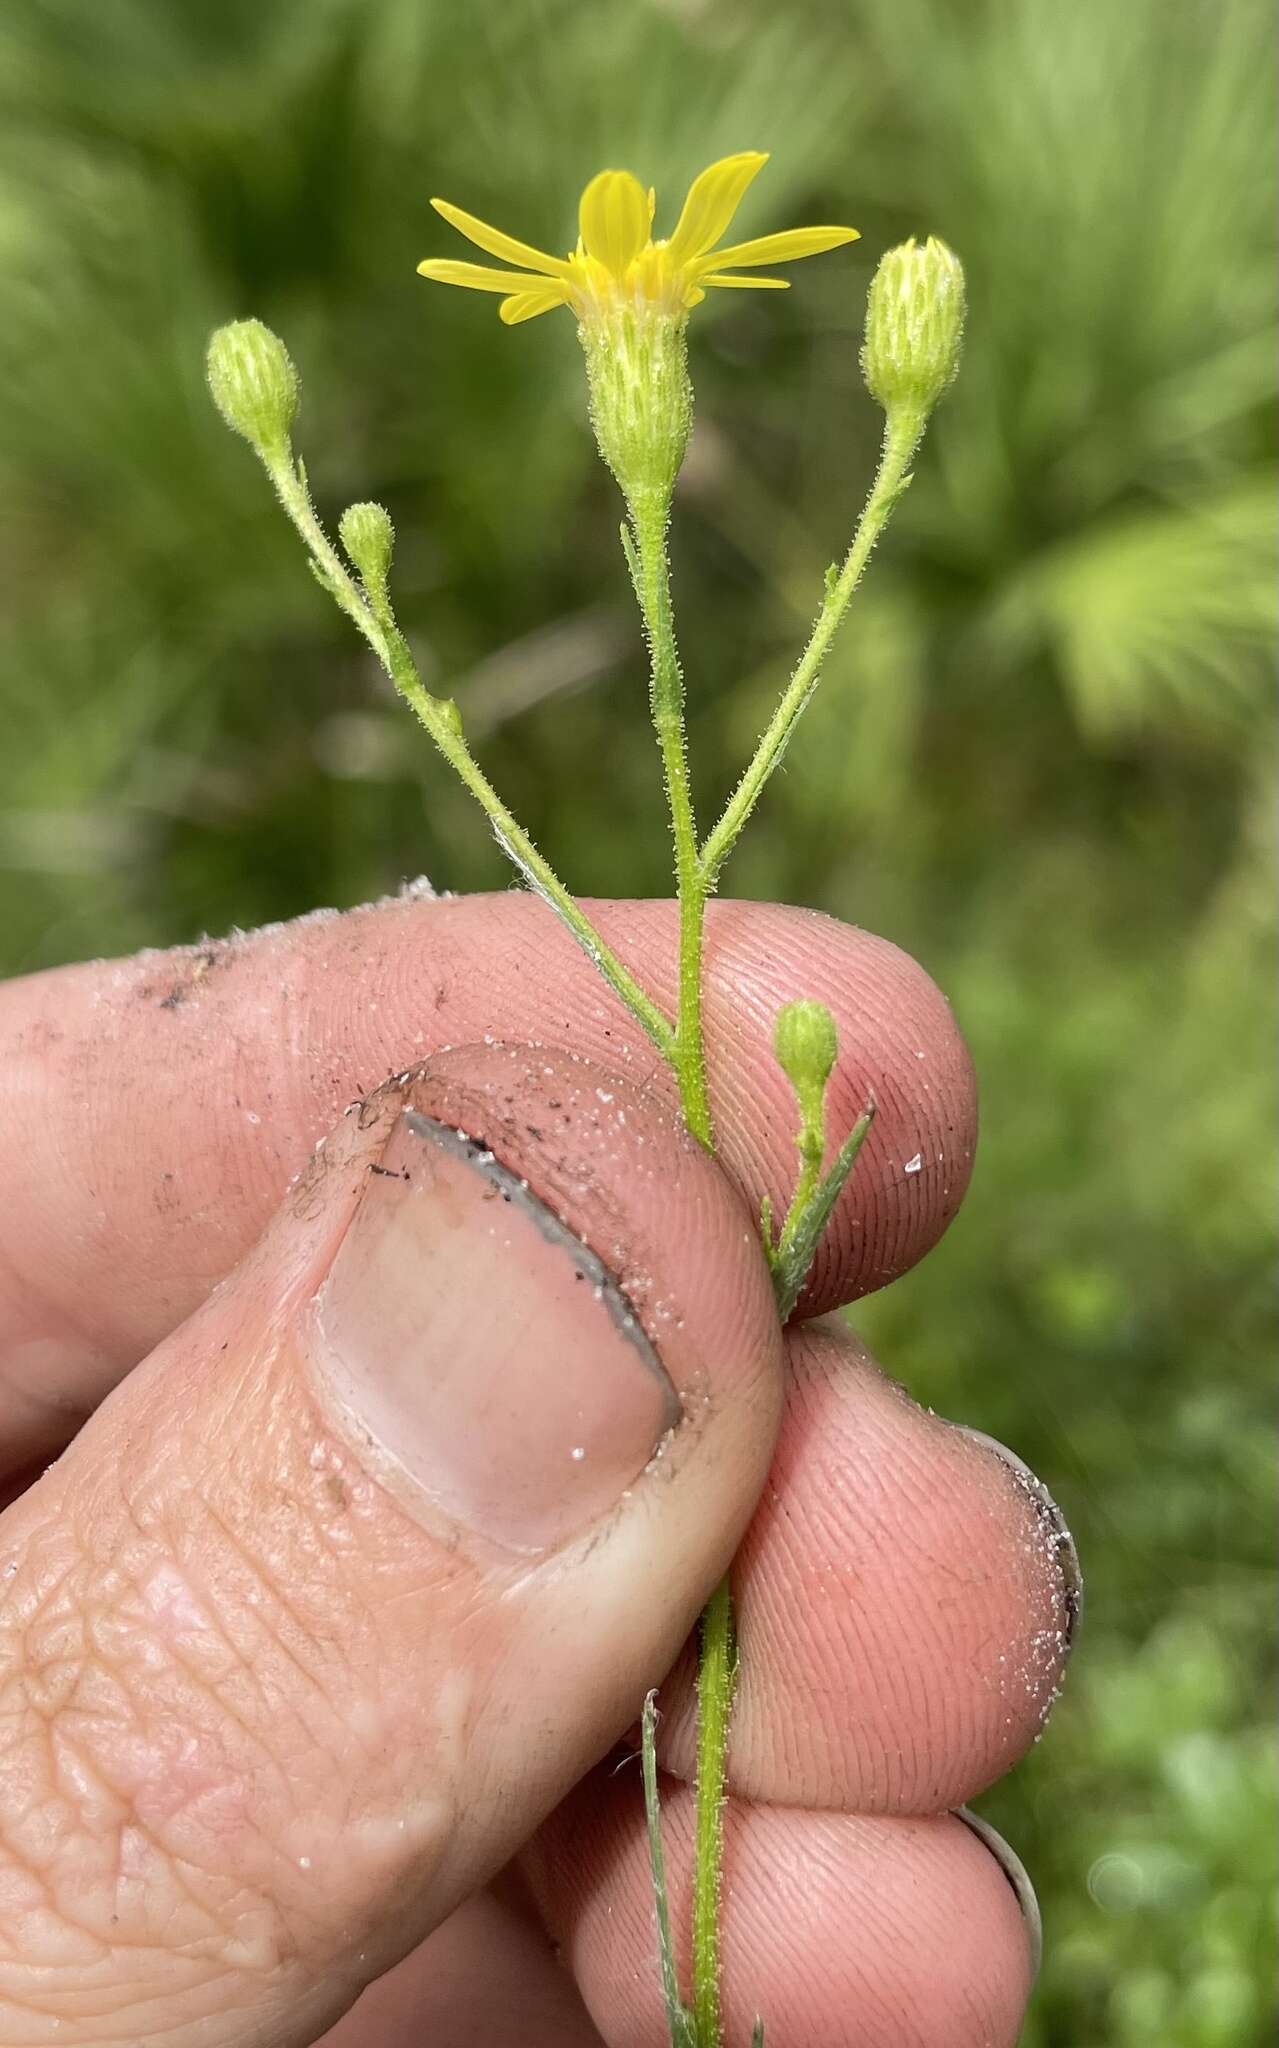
[(313, 1639)]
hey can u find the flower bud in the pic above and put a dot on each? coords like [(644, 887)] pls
[(368, 536), (807, 1044), (254, 384), (914, 325)]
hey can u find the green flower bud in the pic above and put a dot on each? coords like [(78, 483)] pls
[(254, 384), (807, 1045), (914, 325), (368, 536)]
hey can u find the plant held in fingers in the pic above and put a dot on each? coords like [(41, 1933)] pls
[(631, 295)]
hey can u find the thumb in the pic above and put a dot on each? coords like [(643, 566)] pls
[(343, 1589)]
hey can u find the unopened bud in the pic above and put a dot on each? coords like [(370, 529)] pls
[(254, 384), (368, 536), (914, 325), (807, 1045)]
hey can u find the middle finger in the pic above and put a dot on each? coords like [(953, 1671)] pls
[(904, 1598)]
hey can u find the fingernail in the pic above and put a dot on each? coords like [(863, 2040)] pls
[(1059, 1539), (1018, 1877), (484, 1350)]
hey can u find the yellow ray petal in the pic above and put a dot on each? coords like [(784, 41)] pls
[(713, 198), (521, 254), (783, 248), (614, 219), (527, 305), (756, 284), (477, 279)]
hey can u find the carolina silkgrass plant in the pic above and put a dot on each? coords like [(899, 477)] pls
[(631, 296)]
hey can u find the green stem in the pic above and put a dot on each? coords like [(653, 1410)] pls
[(444, 726), (294, 494), (810, 1143), (516, 843), (902, 433), (690, 1051), (650, 568), (716, 1677), (650, 571)]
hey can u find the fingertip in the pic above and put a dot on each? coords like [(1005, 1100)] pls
[(1049, 1536), (902, 1606)]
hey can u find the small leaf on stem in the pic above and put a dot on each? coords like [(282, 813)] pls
[(802, 1231), (806, 1043)]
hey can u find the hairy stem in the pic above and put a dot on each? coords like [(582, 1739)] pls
[(902, 433), (650, 569), (291, 489), (716, 1678)]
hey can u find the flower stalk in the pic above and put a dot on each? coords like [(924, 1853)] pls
[(649, 564), (903, 431)]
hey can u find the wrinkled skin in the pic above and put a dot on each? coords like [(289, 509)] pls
[(270, 1733)]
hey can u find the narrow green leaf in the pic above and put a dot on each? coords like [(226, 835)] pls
[(679, 2020), (632, 562), (794, 1255)]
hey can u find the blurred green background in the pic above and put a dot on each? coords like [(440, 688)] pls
[(1042, 758)]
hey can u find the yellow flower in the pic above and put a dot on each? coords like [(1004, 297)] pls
[(617, 267)]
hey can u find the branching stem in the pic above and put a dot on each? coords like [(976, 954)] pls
[(442, 722)]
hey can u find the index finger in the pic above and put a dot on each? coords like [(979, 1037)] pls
[(157, 1107)]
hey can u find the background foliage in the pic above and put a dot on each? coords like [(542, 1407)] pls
[(1042, 759)]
